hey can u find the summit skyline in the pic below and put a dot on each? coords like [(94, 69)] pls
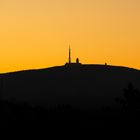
[(35, 33)]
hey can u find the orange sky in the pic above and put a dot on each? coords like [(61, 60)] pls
[(37, 33)]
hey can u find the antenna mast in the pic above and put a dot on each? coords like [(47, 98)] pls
[(69, 55)]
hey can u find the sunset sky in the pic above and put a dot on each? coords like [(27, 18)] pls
[(37, 33)]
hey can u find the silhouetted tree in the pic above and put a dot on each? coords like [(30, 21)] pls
[(131, 98)]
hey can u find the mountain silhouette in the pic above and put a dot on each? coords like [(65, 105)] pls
[(77, 85)]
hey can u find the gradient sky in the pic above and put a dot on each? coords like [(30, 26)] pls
[(37, 33)]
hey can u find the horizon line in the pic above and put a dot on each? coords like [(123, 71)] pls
[(43, 68)]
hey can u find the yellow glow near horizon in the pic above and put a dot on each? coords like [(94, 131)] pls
[(37, 33)]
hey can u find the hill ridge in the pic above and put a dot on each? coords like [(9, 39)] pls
[(83, 85), (63, 66)]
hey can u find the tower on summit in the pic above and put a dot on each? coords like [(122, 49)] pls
[(70, 63), (69, 55)]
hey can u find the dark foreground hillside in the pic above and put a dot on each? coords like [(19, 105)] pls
[(17, 116)]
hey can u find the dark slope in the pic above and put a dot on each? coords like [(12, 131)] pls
[(85, 85)]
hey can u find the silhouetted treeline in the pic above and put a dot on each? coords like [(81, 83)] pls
[(24, 115)]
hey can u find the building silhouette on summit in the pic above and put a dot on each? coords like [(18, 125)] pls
[(70, 63)]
